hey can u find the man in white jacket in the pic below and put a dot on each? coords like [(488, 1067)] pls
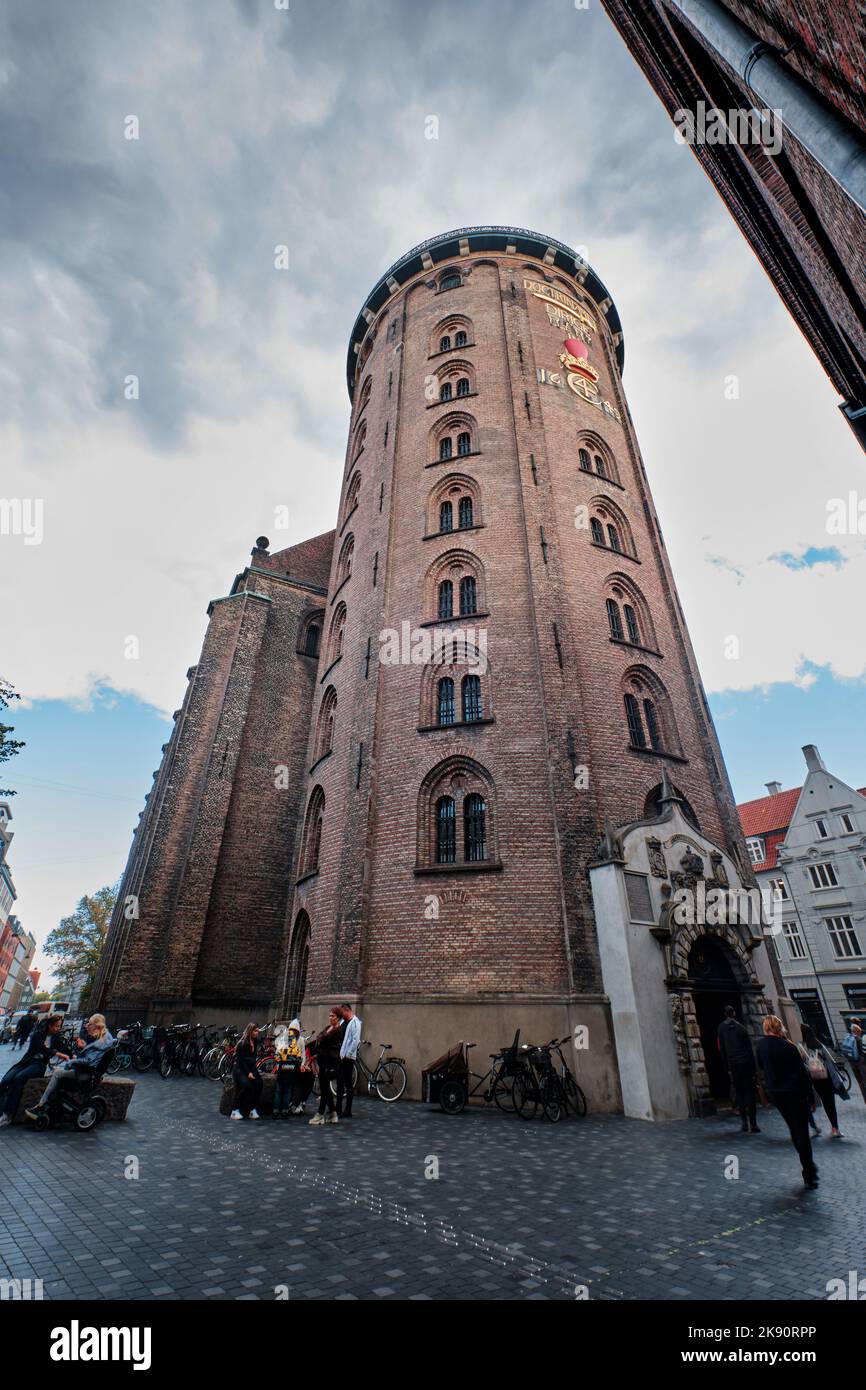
[(348, 1053)]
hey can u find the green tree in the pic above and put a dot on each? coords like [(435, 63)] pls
[(8, 746), (77, 940)]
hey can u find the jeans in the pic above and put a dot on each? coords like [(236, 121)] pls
[(743, 1079), (303, 1086), (326, 1097), (345, 1086), (13, 1083), (284, 1088), (247, 1092), (795, 1112), (827, 1097), (64, 1074)]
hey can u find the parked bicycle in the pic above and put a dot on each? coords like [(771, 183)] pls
[(450, 1080), (387, 1079), (546, 1082)]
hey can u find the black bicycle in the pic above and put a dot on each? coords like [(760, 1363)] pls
[(495, 1085), (545, 1082)]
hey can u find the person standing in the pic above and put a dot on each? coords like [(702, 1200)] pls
[(789, 1087), (852, 1048), (735, 1047), (24, 1029), (823, 1075), (327, 1054), (245, 1075), (289, 1056), (306, 1075), (348, 1055), (44, 1041)]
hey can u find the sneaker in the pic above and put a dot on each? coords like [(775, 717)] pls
[(332, 1119), (254, 1114), (297, 1110), (34, 1113), (236, 1115), (5, 1120), (317, 1120), (836, 1133)]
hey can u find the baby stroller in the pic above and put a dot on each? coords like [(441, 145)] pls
[(77, 1099)]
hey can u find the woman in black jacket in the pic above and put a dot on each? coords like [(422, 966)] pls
[(44, 1041), (789, 1087), (327, 1054), (245, 1075)]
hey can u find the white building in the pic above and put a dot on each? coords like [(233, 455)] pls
[(808, 844)]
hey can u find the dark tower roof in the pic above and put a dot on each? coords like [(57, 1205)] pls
[(447, 245)]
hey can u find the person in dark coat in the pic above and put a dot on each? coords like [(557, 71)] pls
[(44, 1042), (816, 1057), (789, 1087), (24, 1029), (245, 1074), (735, 1047), (327, 1053)]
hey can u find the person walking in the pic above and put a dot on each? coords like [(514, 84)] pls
[(853, 1050), (44, 1040), (245, 1075), (735, 1047), (348, 1055), (89, 1053), (826, 1081), (24, 1029), (787, 1083), (328, 1044)]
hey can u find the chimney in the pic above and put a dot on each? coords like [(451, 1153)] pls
[(814, 761), (774, 788)]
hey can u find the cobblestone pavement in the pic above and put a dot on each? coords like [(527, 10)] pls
[(222, 1210)]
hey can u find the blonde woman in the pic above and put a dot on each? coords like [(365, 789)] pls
[(88, 1056), (789, 1087)]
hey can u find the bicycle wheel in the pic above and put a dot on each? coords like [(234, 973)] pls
[(166, 1064), (503, 1093), (452, 1097), (142, 1057), (844, 1076), (554, 1103), (575, 1100), (266, 1066), (525, 1096), (189, 1059), (210, 1063), (115, 1064), (389, 1081)]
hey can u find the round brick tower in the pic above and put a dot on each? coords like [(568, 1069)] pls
[(504, 669)]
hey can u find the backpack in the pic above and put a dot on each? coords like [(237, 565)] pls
[(851, 1046), (815, 1067)]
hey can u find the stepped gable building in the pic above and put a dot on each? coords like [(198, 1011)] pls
[(502, 766), (798, 196)]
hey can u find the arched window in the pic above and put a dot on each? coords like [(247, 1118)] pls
[(338, 626), (445, 447), (344, 564), (451, 281), (364, 395), (653, 805), (299, 957), (468, 595), (613, 539), (585, 463), (325, 728), (600, 466), (636, 735), (352, 492), (446, 838), (446, 599), (652, 725), (471, 694), (460, 339), (464, 444), (446, 517), (631, 624), (311, 640), (596, 530), (464, 513), (445, 344), (463, 386), (445, 702), (445, 391), (614, 619), (474, 829), (312, 838)]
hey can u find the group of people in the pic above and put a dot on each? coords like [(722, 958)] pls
[(44, 1045), (797, 1077), (330, 1055)]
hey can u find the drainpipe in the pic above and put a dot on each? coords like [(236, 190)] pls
[(832, 141)]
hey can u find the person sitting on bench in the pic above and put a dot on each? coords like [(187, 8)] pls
[(90, 1053), (44, 1041)]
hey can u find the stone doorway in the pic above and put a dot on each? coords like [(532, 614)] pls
[(714, 986)]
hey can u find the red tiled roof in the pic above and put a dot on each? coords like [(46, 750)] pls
[(768, 813)]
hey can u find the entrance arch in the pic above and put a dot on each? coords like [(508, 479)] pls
[(714, 985)]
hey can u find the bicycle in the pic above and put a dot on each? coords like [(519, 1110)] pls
[(499, 1080), (172, 1052), (387, 1079), (540, 1085)]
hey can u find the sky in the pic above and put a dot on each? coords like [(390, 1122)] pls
[(153, 258)]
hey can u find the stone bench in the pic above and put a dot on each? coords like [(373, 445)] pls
[(266, 1100), (116, 1091)]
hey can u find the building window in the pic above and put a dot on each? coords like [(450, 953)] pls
[(338, 627), (451, 281), (631, 624), (796, 946), (445, 344), (652, 725), (843, 937), (445, 391), (599, 466), (823, 876), (460, 339), (474, 814), (613, 539), (445, 703), (471, 692), (755, 846), (464, 444), (637, 737), (311, 641), (821, 829), (468, 595), (446, 838), (446, 517), (312, 838), (584, 459), (465, 513), (463, 386), (614, 619), (779, 889), (446, 599), (847, 824), (596, 531), (445, 448)]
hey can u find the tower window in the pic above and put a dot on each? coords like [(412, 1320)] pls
[(464, 444), (596, 530), (636, 734), (311, 641), (445, 391), (445, 344), (465, 513), (613, 539), (599, 466), (445, 704), (460, 339), (585, 464), (451, 281), (631, 624), (446, 599), (445, 447), (463, 386), (446, 517), (474, 813), (471, 691), (468, 595), (446, 839), (614, 619), (652, 725)]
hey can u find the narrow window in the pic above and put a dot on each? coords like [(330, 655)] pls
[(311, 641), (464, 444), (472, 708), (847, 824), (631, 624), (596, 531), (821, 827), (445, 447), (635, 723), (465, 513), (445, 344), (468, 595), (446, 839), (652, 725), (584, 460), (446, 599), (463, 386), (445, 391), (614, 619), (446, 517), (445, 709), (460, 339), (475, 844), (450, 282), (613, 538), (599, 467)]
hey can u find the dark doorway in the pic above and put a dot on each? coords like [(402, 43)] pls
[(812, 1012), (714, 985)]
